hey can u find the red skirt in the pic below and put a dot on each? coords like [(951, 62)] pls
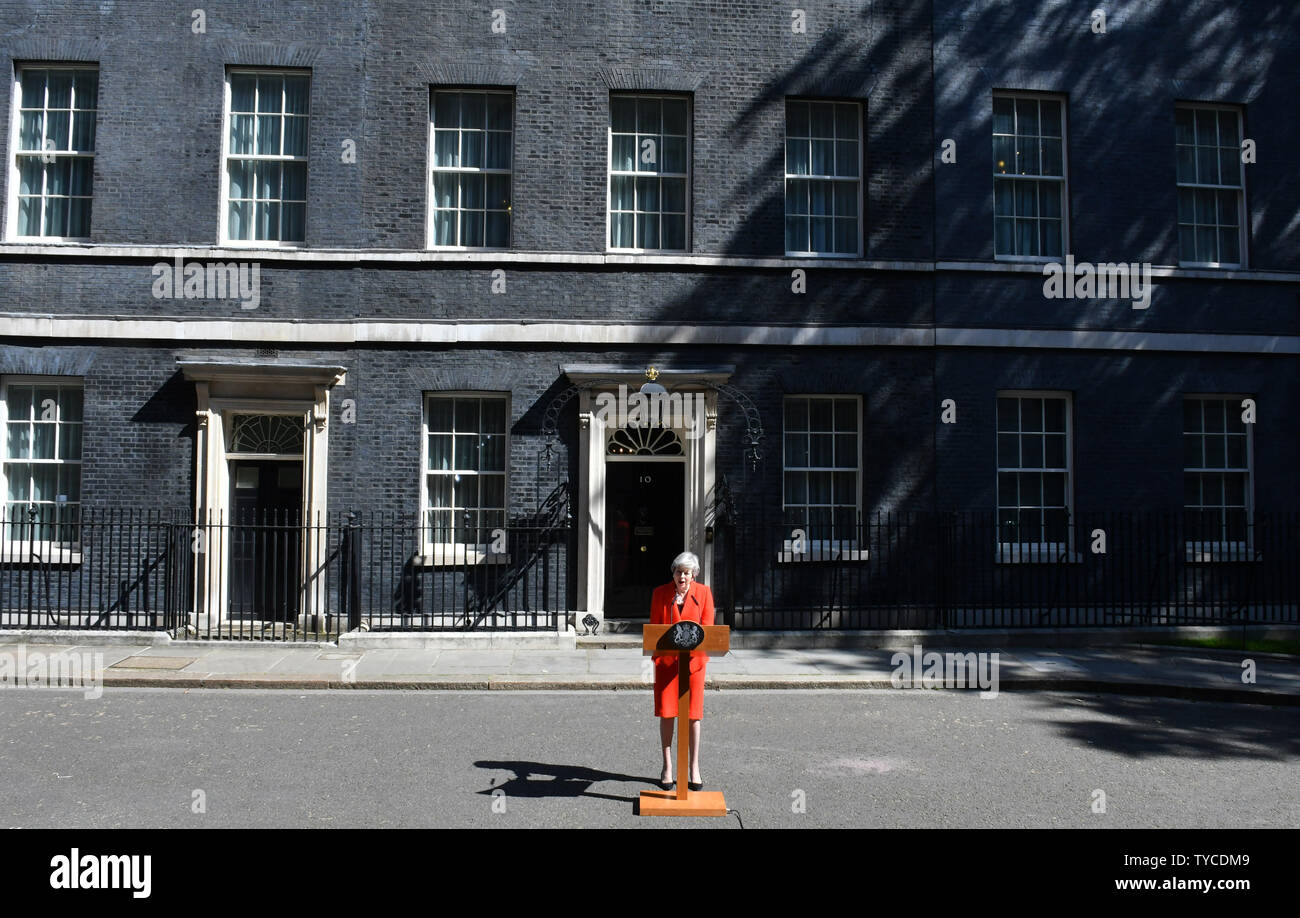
[(666, 690)]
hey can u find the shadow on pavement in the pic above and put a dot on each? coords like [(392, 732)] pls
[(538, 779)]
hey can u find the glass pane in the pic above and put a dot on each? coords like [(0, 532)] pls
[(1227, 213), (1052, 162), (621, 231), (846, 158), (1193, 455), (1205, 209), (492, 493), (821, 414), (83, 132), (294, 177), (1031, 451), (1206, 248), (295, 136), (472, 188), (1027, 162), (1004, 116), (1008, 489), (1187, 164), (1031, 489), (796, 196), (56, 217), (1004, 155), (270, 90), (647, 231), (34, 88), (296, 94), (268, 134), (446, 149), (1054, 457), (623, 153), (846, 450), (846, 236), (497, 230), (621, 192), (19, 441), (439, 452), (20, 403), (622, 114), (674, 113), (472, 229), (1031, 414), (241, 178), (1229, 243), (267, 221), (45, 481), (473, 111), (1206, 127), (1054, 415), (1008, 414), (293, 222), (30, 131), (674, 154), (846, 414), (797, 157), (1026, 237), (846, 199), (1026, 194), (819, 488), (79, 217), (70, 441), (499, 111), (266, 180), (1004, 236), (467, 415), (845, 488), (796, 450), (492, 452), (497, 191), (81, 176), (796, 414), (674, 195), (823, 157), (648, 116), (60, 89), (1207, 166), (796, 487), (19, 476), (57, 128), (822, 120), (1215, 453), (673, 230), (1008, 451), (464, 490), (1184, 128), (241, 134), (1026, 116), (796, 234), (1230, 167), (820, 198), (796, 119), (1051, 115), (1054, 490), (440, 415), (1186, 244), (471, 149), (243, 87), (446, 110), (498, 150), (846, 121), (240, 222), (647, 194)]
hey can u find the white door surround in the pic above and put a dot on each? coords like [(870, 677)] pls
[(256, 387), (594, 430)]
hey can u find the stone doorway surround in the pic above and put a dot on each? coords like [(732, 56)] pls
[(251, 386), (593, 438)]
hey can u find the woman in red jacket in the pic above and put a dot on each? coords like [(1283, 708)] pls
[(673, 602)]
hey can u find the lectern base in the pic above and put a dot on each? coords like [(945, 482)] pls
[(697, 803)]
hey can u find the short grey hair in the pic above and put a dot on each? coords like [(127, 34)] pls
[(687, 559)]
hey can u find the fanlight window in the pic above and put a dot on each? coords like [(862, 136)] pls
[(644, 441), (277, 434)]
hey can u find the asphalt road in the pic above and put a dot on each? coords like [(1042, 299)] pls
[(143, 757)]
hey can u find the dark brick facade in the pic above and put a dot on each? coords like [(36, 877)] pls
[(923, 72)]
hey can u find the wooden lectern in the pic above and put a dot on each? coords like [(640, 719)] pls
[(682, 801)]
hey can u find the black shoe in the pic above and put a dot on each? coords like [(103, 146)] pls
[(695, 785), (667, 785)]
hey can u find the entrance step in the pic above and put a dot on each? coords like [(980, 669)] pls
[(615, 633)]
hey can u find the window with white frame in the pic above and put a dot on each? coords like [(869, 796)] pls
[(1029, 192), (823, 465), (1211, 183), (1216, 469), (54, 159), (823, 183), (42, 459), (649, 172), (464, 468), (266, 157), (1034, 499), (473, 137)]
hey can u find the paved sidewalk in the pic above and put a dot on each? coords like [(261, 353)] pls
[(1130, 669)]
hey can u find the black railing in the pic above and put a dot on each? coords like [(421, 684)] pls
[(949, 570), (273, 577), (270, 576)]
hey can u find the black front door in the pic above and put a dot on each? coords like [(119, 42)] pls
[(645, 526), (265, 539)]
